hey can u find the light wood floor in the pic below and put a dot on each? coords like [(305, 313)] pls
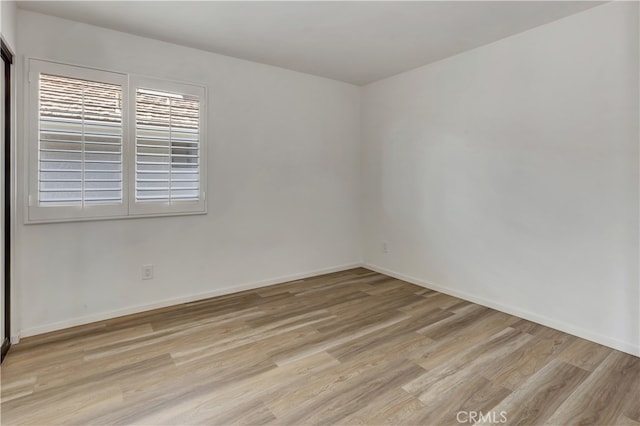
[(354, 347)]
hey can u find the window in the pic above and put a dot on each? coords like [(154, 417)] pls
[(108, 145)]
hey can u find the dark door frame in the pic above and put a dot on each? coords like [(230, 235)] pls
[(7, 60)]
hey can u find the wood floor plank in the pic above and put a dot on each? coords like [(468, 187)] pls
[(12, 389), (60, 408), (390, 338), (584, 354), (512, 371), (457, 322), (349, 396), (540, 396), (432, 384), (381, 405), (353, 347), (631, 405), (602, 396), (333, 379), (430, 302), (406, 410), (475, 393), (323, 343), (623, 420), (451, 345)]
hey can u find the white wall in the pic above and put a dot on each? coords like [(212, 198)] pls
[(283, 187), (8, 22), (509, 175)]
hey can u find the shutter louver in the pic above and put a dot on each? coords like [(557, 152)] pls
[(80, 142), (167, 147)]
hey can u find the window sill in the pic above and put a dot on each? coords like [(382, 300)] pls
[(120, 217)]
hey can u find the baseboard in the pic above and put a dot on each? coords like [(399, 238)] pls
[(87, 319), (548, 322)]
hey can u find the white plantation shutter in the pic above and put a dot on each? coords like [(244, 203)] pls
[(77, 146), (168, 134), (80, 142), (167, 146)]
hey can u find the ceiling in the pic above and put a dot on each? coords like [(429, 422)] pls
[(357, 42)]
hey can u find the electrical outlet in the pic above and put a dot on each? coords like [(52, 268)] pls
[(385, 247), (147, 272)]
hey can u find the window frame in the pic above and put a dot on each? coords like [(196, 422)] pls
[(128, 208)]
